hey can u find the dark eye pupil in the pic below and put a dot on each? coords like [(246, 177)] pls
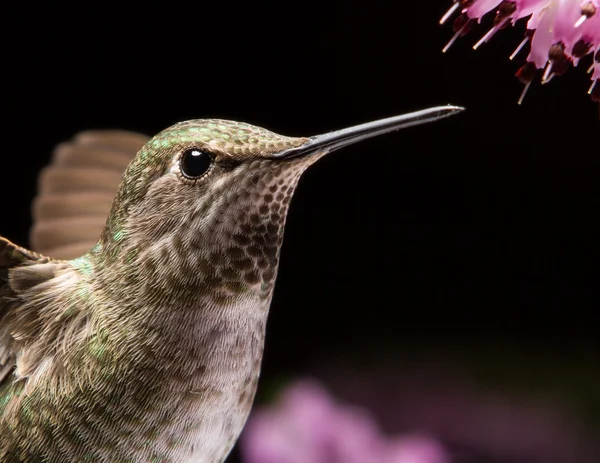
[(195, 163)]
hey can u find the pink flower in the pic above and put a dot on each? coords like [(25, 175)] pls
[(308, 426), (560, 33)]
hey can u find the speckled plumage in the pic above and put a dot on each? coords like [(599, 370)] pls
[(148, 347), (158, 331)]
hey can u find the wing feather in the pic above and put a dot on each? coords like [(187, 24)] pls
[(76, 191), (50, 206), (11, 256), (75, 195)]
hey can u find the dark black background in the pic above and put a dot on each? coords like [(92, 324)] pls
[(480, 230)]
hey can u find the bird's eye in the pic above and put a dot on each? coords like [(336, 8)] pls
[(195, 162)]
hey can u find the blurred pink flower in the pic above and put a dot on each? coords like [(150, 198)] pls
[(308, 426), (560, 33), (475, 422)]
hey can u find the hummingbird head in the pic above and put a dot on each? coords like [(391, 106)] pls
[(204, 204)]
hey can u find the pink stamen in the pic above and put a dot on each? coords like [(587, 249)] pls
[(519, 48), (580, 21), (450, 12), (452, 40), (547, 76), (490, 34), (466, 26), (523, 93)]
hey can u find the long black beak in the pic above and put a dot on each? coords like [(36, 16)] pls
[(334, 140)]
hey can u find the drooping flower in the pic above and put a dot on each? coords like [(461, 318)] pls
[(560, 33)]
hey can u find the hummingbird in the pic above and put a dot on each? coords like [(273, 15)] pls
[(145, 343)]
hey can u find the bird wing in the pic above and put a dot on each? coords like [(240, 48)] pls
[(76, 191), (12, 256)]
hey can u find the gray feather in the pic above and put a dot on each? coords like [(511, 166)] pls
[(76, 191)]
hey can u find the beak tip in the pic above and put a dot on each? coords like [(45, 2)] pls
[(452, 109)]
